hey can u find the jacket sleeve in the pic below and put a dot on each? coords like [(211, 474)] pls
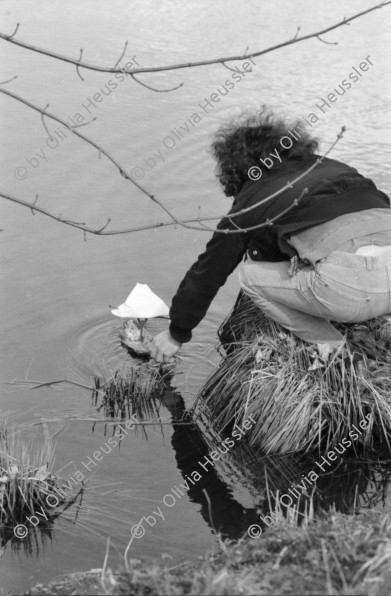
[(204, 278)]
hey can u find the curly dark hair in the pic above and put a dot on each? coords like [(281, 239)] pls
[(241, 144)]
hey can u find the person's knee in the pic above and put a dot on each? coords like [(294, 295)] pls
[(245, 277), (251, 283)]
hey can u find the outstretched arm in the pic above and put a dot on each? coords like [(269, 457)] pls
[(198, 288)]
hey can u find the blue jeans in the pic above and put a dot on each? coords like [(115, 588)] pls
[(342, 287)]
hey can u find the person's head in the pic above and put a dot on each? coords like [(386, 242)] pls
[(243, 142)]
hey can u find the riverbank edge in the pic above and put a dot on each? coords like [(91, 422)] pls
[(337, 554)]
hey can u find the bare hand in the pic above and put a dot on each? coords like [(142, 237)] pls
[(164, 347)]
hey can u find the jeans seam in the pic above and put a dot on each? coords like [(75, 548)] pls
[(313, 303)]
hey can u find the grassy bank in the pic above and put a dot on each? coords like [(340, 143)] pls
[(302, 400), (339, 554)]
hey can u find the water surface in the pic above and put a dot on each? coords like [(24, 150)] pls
[(56, 323)]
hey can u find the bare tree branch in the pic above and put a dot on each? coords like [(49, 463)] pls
[(93, 144), (186, 222), (85, 228), (101, 231), (88, 66), (183, 223), (236, 68), (8, 80)]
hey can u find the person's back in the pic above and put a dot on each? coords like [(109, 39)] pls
[(317, 235)]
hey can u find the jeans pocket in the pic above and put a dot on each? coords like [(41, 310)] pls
[(347, 303), (326, 286)]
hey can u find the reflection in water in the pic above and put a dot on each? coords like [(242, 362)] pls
[(56, 316), (276, 482), (138, 392), (219, 508), (269, 485), (351, 485), (33, 544), (32, 534)]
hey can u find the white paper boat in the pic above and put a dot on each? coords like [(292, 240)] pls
[(141, 303)]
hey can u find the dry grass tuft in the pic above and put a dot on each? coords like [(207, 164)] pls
[(265, 373), (137, 391), (25, 477), (28, 488)]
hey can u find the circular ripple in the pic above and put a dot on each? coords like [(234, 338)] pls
[(97, 349)]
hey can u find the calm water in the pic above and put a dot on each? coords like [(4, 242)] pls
[(56, 287)]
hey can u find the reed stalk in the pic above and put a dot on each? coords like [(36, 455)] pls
[(269, 374)]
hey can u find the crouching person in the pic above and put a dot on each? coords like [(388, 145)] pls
[(317, 248)]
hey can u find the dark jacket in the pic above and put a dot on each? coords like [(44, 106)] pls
[(334, 189)]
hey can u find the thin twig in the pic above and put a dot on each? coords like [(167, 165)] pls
[(154, 88), (33, 205), (8, 80), (114, 421), (330, 43), (78, 65), (152, 197), (93, 144), (104, 227), (288, 184), (88, 66), (84, 228), (15, 32), (297, 32), (38, 384), (185, 222), (101, 232), (43, 120), (122, 55), (236, 69)]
